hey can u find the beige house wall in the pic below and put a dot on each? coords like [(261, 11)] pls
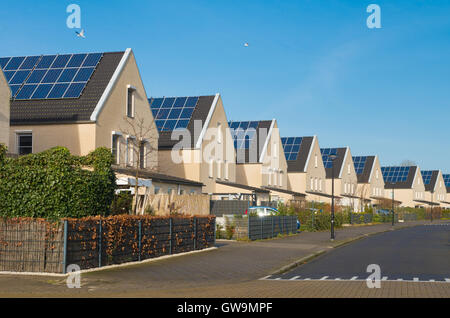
[(376, 180), (274, 164), (215, 160), (408, 196), (315, 178), (5, 97), (112, 117), (78, 138), (439, 192), (249, 174)]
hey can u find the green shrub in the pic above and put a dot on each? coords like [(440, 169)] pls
[(54, 184), (229, 231), (122, 203)]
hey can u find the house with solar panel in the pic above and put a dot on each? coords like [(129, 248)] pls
[(5, 96), (79, 101), (305, 171), (260, 159), (447, 186), (370, 180), (405, 184), (345, 178), (194, 140), (435, 190)]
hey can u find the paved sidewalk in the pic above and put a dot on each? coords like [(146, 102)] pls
[(232, 270)]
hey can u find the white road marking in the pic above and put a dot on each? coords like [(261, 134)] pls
[(323, 278), (278, 278), (384, 278), (307, 279), (267, 277), (447, 280), (354, 278), (337, 279), (294, 278), (432, 280), (415, 279), (399, 279)]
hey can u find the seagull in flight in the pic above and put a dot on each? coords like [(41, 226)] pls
[(81, 34), (246, 44)]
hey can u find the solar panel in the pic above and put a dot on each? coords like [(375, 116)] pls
[(326, 153), (67, 74), (172, 113), (446, 179), (243, 133), (426, 176), (395, 174), (291, 147), (359, 163)]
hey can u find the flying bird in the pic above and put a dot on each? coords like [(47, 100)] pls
[(80, 34), (246, 44)]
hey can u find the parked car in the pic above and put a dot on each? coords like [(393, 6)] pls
[(263, 211)]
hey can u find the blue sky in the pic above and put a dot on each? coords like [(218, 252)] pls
[(312, 65)]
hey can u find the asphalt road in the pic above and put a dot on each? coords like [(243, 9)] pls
[(420, 253)]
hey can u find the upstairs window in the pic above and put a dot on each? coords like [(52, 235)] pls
[(142, 156), (115, 148), (24, 143), (130, 101)]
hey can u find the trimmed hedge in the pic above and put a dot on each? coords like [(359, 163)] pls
[(55, 184)]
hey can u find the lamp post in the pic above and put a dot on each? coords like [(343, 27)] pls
[(332, 157), (393, 213), (431, 207)]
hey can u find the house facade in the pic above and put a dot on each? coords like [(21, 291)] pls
[(435, 190), (79, 101), (306, 172), (405, 184), (345, 178), (5, 97), (447, 186), (260, 159), (195, 141), (370, 180)]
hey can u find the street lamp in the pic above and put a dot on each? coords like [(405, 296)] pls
[(393, 213), (332, 158), (431, 207)]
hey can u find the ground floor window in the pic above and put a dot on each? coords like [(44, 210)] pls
[(24, 143)]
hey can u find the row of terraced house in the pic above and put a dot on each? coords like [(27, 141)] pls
[(188, 144)]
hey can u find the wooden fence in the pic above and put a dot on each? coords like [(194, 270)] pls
[(30, 245), (187, 204)]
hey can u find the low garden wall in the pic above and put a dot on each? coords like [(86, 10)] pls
[(36, 245), (258, 228)]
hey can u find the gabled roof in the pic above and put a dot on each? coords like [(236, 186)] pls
[(251, 139), (430, 178), (399, 177), (297, 151), (447, 181), (192, 111), (338, 163), (83, 108), (364, 167)]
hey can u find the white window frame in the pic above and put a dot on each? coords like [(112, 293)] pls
[(24, 132), (133, 108), (118, 134), (211, 168)]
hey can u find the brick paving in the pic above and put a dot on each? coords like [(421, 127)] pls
[(233, 270)]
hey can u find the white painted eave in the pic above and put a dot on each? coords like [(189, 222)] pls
[(207, 121), (110, 86)]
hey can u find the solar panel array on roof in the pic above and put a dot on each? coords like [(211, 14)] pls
[(446, 179), (360, 163), (49, 76), (326, 153), (243, 133), (291, 146), (426, 176), (172, 113), (395, 174)]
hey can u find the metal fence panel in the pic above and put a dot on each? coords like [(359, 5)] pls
[(221, 207)]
